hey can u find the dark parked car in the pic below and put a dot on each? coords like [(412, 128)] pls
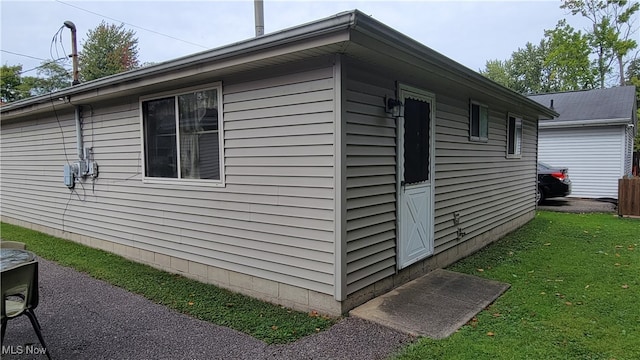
[(552, 182)]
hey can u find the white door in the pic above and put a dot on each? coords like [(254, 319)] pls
[(416, 155)]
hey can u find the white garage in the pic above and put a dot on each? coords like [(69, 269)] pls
[(593, 137)]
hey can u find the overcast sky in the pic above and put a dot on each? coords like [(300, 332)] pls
[(469, 32)]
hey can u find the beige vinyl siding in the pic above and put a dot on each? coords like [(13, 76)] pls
[(370, 181), (473, 179), (274, 219), (476, 180)]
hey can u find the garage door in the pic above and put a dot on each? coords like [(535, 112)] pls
[(594, 156)]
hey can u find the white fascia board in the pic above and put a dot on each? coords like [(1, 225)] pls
[(265, 43), (379, 31), (552, 124)]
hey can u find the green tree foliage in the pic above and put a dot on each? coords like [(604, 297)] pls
[(566, 62), (527, 65), (560, 62), (9, 81), (109, 49), (611, 37), (11, 84), (51, 77), (500, 72), (521, 73)]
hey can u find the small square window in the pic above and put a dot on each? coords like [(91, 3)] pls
[(514, 137), (478, 122)]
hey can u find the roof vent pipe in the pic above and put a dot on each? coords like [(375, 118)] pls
[(259, 13), (74, 51), (551, 104)]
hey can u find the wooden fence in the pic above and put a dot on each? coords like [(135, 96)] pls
[(629, 196)]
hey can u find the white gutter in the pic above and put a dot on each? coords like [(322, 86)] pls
[(582, 123), (341, 21), (382, 32), (355, 20)]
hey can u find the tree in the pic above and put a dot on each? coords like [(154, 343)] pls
[(500, 72), (108, 50), (560, 62), (567, 59), (521, 73), (51, 77), (528, 68), (11, 84), (611, 33), (14, 86)]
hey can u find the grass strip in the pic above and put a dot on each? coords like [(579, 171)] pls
[(267, 322), (575, 287)]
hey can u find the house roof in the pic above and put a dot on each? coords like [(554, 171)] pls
[(353, 33), (612, 106)]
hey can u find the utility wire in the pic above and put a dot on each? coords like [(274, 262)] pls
[(28, 56), (31, 57), (57, 39), (135, 26)]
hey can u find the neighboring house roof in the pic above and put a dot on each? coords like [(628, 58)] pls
[(352, 33), (612, 106)]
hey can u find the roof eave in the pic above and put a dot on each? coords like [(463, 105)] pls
[(354, 20), (341, 21), (374, 28), (547, 123)]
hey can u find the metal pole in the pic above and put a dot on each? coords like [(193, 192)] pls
[(74, 51), (259, 13)]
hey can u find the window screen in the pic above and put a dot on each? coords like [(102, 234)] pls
[(514, 137), (181, 136), (479, 123), (416, 141)]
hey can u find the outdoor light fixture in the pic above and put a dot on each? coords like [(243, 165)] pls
[(393, 106)]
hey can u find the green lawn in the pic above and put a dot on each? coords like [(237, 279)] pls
[(575, 294), (267, 322)]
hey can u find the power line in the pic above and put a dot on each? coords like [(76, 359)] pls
[(31, 57), (135, 26), (27, 56)]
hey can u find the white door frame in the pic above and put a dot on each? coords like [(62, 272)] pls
[(423, 192)]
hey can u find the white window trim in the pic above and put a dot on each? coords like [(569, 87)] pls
[(179, 181), (515, 155), (478, 138)]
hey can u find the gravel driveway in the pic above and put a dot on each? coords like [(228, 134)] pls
[(85, 318), (577, 205)]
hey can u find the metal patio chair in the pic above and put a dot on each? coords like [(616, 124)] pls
[(13, 305)]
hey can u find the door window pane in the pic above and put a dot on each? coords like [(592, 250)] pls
[(416, 141)]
